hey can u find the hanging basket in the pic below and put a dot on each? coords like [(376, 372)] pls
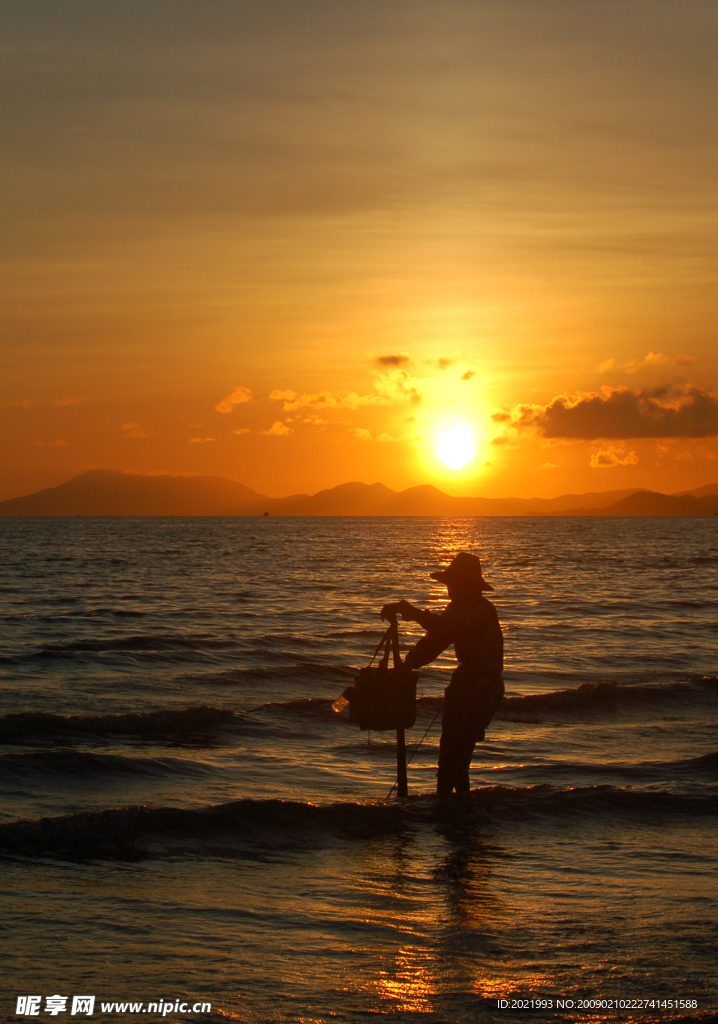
[(381, 697)]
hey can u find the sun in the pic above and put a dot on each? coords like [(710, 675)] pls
[(455, 447)]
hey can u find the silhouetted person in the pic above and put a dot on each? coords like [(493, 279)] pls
[(471, 624)]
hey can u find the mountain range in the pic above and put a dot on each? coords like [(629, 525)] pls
[(103, 492)]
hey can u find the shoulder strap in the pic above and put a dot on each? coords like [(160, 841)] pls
[(389, 642), (394, 631)]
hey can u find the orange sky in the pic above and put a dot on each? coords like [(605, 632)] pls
[(368, 222)]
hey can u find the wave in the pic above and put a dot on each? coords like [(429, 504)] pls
[(603, 696), (587, 696), (183, 722), (61, 765), (278, 715), (193, 723), (274, 828), (640, 772), (309, 707), (160, 646), (301, 671), (593, 696)]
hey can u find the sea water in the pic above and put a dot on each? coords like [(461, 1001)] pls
[(184, 820)]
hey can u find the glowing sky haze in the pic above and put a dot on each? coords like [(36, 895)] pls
[(295, 243)]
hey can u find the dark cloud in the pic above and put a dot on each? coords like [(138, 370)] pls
[(622, 413), (612, 455), (393, 360), (468, 375), (500, 416), (443, 363)]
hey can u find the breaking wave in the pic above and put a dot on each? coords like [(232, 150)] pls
[(184, 722), (605, 696), (296, 671), (274, 828), (279, 715), (164, 647), (59, 766)]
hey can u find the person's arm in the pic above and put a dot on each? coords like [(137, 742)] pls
[(427, 620), (438, 632), (428, 648)]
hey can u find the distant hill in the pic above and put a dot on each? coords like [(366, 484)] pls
[(357, 499), (591, 499), (102, 492), (700, 492), (653, 503), (353, 499)]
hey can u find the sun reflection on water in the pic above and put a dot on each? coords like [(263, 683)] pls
[(410, 985), (508, 987)]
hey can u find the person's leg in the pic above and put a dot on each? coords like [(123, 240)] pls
[(454, 764), (480, 709), (463, 785), (446, 775), (457, 739), (448, 743), (469, 706)]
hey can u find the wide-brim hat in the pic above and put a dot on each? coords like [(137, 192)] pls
[(465, 566)]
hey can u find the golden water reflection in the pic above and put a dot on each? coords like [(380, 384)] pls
[(443, 894), (410, 985)]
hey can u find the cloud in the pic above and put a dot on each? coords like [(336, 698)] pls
[(501, 440), (613, 455), (390, 388), (551, 465), (237, 396), (278, 429), (443, 363), (365, 435), (311, 421), (501, 416), (317, 400), (651, 359), (397, 359), (468, 375), (200, 440), (622, 413), (398, 386), (134, 430), (28, 403), (242, 430)]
